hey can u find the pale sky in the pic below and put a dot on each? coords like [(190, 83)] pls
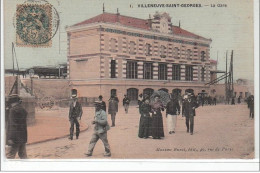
[(230, 28)]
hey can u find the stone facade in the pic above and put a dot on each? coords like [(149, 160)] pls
[(114, 53)]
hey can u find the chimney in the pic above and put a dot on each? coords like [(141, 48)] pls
[(150, 22), (103, 7), (117, 14), (179, 23)]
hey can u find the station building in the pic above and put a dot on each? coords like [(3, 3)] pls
[(117, 54)]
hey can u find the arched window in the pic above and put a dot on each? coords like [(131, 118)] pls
[(113, 92), (203, 56), (148, 91), (132, 94), (189, 91), (164, 89)]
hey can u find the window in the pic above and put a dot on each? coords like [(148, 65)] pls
[(188, 54), (241, 94), (131, 70), (148, 48), (113, 69), (148, 70), (132, 47), (202, 74), (163, 51), (176, 52), (148, 91), (113, 92), (203, 56), (188, 73), (132, 94), (113, 43), (176, 72), (162, 72)]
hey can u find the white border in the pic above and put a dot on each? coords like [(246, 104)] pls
[(138, 164)]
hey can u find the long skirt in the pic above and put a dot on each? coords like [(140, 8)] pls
[(157, 125), (144, 127), (171, 122)]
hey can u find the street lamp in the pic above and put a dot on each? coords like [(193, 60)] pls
[(31, 74)]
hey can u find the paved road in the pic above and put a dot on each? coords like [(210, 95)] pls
[(221, 131)]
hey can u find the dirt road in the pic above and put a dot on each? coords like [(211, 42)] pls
[(221, 131)]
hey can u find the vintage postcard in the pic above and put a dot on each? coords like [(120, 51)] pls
[(90, 81)]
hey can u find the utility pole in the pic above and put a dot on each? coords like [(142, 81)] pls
[(232, 82), (13, 56), (226, 79)]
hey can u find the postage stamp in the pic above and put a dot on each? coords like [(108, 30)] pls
[(34, 25)]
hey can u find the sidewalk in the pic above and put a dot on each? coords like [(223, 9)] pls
[(51, 125)]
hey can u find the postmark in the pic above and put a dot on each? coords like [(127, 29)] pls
[(36, 24)]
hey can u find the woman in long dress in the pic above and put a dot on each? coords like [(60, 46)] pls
[(145, 119), (157, 121)]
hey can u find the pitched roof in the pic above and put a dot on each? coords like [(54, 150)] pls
[(132, 22)]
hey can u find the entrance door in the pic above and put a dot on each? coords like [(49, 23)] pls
[(132, 94)]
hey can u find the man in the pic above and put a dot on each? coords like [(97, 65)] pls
[(215, 101), (251, 107), (75, 114), (103, 104), (188, 109), (17, 129), (172, 110), (113, 109), (126, 102), (100, 130)]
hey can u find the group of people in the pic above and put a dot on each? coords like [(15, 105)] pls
[(151, 119)]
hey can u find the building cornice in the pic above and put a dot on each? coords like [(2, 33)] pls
[(133, 29)]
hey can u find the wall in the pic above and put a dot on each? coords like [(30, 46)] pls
[(57, 88)]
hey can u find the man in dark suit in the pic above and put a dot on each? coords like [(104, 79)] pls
[(251, 107), (17, 129), (126, 102), (188, 109), (103, 104), (113, 109), (75, 114)]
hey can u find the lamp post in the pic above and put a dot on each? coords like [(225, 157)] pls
[(31, 74)]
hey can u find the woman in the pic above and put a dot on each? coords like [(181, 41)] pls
[(157, 121), (145, 119)]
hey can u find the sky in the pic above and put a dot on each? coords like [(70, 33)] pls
[(229, 27)]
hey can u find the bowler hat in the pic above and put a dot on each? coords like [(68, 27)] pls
[(100, 97)]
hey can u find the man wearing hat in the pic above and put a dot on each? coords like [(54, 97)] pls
[(103, 104), (100, 130), (75, 114), (126, 102), (17, 129), (188, 110), (172, 110), (113, 109)]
